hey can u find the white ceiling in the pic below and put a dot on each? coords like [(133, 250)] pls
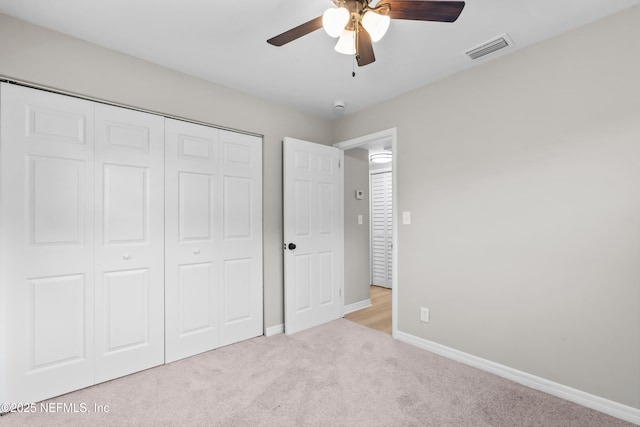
[(225, 42)]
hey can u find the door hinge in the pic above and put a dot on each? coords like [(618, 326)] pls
[(340, 291), (339, 164)]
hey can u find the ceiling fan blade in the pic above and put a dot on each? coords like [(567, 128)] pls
[(364, 49), (297, 32), (418, 10)]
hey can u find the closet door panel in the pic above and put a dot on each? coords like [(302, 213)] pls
[(191, 249), (129, 241), (46, 244), (381, 228), (241, 237)]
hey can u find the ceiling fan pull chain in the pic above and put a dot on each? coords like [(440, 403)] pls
[(355, 57)]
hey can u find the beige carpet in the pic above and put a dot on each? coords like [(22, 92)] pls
[(339, 374)]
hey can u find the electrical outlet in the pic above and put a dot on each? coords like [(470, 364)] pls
[(424, 314)]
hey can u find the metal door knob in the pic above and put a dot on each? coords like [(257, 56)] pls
[(126, 256), (291, 246), (196, 251)]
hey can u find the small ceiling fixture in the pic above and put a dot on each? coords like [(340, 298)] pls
[(381, 157), (358, 24), (339, 106)]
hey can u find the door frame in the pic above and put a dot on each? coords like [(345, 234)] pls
[(390, 134)]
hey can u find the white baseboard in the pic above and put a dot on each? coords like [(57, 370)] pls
[(274, 330), (279, 329), (597, 403), (356, 306)]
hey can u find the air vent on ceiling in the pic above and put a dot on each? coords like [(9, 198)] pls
[(490, 46)]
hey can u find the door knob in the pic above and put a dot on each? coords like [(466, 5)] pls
[(291, 246), (126, 256), (196, 251)]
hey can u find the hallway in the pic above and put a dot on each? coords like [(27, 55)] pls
[(378, 316)]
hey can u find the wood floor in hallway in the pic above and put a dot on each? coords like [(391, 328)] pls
[(378, 316)]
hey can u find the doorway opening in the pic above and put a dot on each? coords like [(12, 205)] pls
[(367, 297)]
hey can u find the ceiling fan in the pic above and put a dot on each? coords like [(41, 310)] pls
[(358, 23)]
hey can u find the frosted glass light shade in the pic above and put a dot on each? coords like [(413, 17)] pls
[(375, 24), (381, 157), (347, 43), (334, 20)]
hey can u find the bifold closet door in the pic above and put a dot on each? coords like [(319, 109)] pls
[(241, 237), (126, 240), (213, 248), (129, 251), (381, 228), (46, 274), (192, 232)]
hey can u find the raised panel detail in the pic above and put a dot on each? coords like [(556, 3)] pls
[(57, 320), (325, 277), (123, 136), (302, 282), (196, 298), (302, 160), (126, 309), (326, 211), (195, 206), (55, 125), (325, 164), (235, 153), (237, 290), (302, 207), (194, 148), (56, 198), (237, 207), (125, 204)]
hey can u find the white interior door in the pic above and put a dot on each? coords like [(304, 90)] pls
[(82, 241), (46, 207), (192, 234), (214, 238), (313, 234), (381, 228), (240, 237), (129, 290)]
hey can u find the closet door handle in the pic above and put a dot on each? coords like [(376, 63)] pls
[(126, 256), (196, 251)]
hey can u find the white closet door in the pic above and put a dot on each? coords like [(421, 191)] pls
[(191, 240), (46, 274), (381, 228), (129, 252), (241, 237)]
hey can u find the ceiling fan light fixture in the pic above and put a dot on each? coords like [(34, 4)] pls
[(334, 20), (375, 24), (347, 43)]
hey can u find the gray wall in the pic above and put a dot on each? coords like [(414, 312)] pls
[(45, 57), (522, 176), (356, 237)]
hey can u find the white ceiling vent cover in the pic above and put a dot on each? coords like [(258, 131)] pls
[(490, 46)]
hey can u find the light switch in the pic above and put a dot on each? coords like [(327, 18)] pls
[(406, 218)]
